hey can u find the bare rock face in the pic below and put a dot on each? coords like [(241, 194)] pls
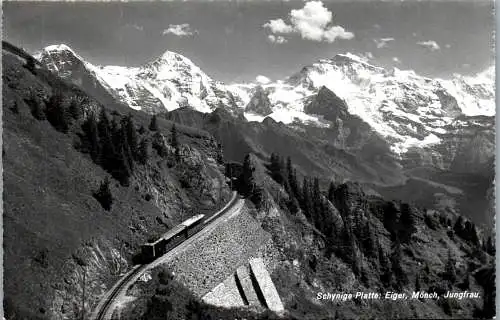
[(259, 103)]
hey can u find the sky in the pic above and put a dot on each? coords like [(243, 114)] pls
[(237, 41)]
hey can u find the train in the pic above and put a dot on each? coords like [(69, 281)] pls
[(172, 238)]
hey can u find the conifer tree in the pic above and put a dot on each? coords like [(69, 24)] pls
[(153, 125), (417, 283), (450, 272), (159, 145), (74, 109), (107, 147), (331, 192), (397, 269), (143, 152), (141, 130), (56, 113), (15, 107), (247, 179), (36, 106), (317, 200), (275, 168), (103, 195), (128, 123), (91, 137), (292, 177), (175, 143), (306, 198)]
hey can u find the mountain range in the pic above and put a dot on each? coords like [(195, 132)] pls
[(355, 120)]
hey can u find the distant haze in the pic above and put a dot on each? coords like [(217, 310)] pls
[(238, 41)]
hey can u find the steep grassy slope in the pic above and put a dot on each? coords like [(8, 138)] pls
[(60, 245)]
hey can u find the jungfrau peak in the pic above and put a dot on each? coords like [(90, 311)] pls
[(408, 109)]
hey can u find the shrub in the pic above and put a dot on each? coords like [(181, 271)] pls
[(36, 106)]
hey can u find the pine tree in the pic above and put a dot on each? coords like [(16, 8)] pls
[(122, 170), (91, 137), (103, 195), (56, 113), (317, 203), (153, 125), (397, 269), (128, 123), (306, 198), (408, 223), (107, 147), (331, 192), (159, 145), (490, 246), (125, 146), (293, 205), (450, 272), (15, 107), (143, 152), (141, 130), (74, 109), (417, 283), (175, 143), (36, 106), (292, 176), (247, 181)]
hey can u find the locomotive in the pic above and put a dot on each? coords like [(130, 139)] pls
[(172, 237)]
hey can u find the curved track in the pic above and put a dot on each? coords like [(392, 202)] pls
[(104, 309)]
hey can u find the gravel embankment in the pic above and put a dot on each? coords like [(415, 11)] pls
[(204, 265)]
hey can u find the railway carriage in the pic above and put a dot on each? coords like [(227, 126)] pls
[(173, 237), (194, 224)]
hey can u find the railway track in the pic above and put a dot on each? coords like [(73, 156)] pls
[(104, 309)]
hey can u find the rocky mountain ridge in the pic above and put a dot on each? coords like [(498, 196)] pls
[(371, 92), (397, 124)]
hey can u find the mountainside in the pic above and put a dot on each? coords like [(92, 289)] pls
[(81, 195)]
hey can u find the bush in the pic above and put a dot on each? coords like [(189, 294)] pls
[(103, 195)]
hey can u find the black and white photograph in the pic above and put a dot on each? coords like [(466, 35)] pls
[(248, 159)]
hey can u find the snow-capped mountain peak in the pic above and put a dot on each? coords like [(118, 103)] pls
[(166, 83), (408, 109)]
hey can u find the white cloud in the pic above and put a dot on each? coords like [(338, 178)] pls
[(262, 79), (180, 30), (278, 26), (276, 39), (447, 46), (337, 32), (312, 22), (382, 42), (430, 44), (396, 60), (368, 56)]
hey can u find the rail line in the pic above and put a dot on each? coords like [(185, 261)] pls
[(105, 305)]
